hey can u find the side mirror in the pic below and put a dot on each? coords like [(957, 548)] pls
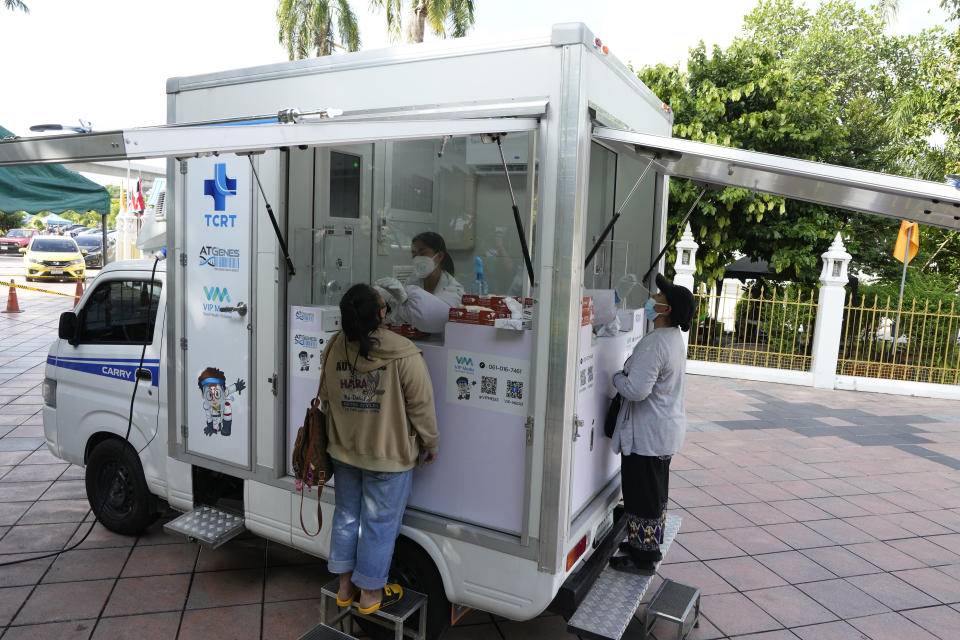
[(84, 252), (23, 249), (68, 327)]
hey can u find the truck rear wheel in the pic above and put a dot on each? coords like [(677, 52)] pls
[(117, 489), (414, 569)]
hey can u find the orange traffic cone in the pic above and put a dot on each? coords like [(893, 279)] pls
[(78, 293), (12, 305)]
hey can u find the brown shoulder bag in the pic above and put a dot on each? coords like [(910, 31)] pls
[(312, 466)]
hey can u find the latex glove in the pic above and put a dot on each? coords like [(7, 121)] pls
[(395, 287)]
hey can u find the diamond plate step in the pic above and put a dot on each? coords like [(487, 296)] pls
[(607, 610), (207, 525)]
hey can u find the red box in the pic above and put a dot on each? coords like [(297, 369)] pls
[(463, 316), (407, 331)]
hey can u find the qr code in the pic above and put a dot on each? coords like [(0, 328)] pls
[(515, 389), (488, 385)]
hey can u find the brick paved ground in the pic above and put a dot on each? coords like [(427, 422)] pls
[(806, 514)]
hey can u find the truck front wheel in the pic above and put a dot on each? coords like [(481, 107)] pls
[(117, 489)]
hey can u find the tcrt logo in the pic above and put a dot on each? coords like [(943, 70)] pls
[(220, 187), (215, 296)]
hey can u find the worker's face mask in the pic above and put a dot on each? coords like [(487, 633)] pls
[(649, 310), (423, 266)]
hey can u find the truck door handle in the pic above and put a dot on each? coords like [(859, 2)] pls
[(144, 374), (241, 309)]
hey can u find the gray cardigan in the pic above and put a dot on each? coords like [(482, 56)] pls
[(652, 419)]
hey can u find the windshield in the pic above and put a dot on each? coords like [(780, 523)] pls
[(89, 241), (18, 233), (54, 245)]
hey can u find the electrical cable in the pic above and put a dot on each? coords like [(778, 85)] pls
[(126, 438)]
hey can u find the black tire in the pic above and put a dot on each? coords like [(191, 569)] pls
[(414, 569), (117, 489)]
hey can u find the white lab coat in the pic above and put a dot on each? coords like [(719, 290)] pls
[(428, 312)]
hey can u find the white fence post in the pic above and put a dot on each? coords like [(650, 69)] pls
[(685, 266), (826, 337)]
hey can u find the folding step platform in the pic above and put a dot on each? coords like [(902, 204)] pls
[(393, 617), (207, 525), (615, 597)]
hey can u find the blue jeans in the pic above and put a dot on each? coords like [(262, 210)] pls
[(366, 522)]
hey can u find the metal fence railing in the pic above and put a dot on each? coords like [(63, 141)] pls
[(923, 347), (768, 327)]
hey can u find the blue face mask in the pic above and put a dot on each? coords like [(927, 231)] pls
[(648, 309)]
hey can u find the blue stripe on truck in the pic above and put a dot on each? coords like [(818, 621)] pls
[(116, 368)]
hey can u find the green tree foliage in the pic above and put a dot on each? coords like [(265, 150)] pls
[(10, 220), (308, 26), (828, 86), (444, 16), (15, 4)]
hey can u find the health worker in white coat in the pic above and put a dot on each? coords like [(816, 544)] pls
[(424, 301)]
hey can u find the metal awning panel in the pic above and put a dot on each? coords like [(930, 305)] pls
[(183, 141), (882, 194)]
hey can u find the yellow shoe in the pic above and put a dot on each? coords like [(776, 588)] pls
[(391, 594), (348, 601)]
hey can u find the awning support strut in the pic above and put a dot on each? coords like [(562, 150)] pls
[(676, 236), (516, 214), (273, 220)]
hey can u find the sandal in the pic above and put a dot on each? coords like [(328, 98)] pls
[(391, 595), (348, 601), (631, 565), (626, 547)]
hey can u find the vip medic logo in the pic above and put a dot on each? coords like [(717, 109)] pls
[(220, 259), (463, 364), (214, 297)]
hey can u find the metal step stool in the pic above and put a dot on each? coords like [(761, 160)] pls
[(673, 602), (614, 598), (393, 617), (208, 525), (323, 632)]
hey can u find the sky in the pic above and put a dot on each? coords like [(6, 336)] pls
[(107, 61)]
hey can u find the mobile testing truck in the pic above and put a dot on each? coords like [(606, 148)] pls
[(273, 212)]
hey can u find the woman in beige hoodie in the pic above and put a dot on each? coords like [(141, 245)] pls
[(380, 419)]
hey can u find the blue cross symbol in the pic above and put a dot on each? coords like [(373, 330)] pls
[(220, 187)]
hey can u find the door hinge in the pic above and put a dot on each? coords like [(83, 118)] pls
[(183, 259), (528, 427), (183, 344), (183, 167), (273, 382), (577, 425)]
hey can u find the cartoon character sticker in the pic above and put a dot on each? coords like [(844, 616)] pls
[(305, 359), (217, 408), (463, 388)]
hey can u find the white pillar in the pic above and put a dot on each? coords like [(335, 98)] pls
[(685, 266), (826, 338)]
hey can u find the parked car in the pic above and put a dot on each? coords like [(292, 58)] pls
[(92, 246), (53, 257), (16, 239), (77, 230)]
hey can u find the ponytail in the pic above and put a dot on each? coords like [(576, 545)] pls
[(360, 317)]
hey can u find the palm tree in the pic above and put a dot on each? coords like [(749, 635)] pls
[(455, 16), (15, 4), (307, 25)]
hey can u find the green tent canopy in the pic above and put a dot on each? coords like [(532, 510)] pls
[(50, 187)]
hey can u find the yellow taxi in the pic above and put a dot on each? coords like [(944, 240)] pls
[(53, 257)]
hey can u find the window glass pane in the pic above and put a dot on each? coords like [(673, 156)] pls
[(120, 312), (463, 196)]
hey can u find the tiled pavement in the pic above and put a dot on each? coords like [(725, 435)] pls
[(806, 514)]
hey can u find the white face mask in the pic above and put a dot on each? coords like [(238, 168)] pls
[(423, 266)]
